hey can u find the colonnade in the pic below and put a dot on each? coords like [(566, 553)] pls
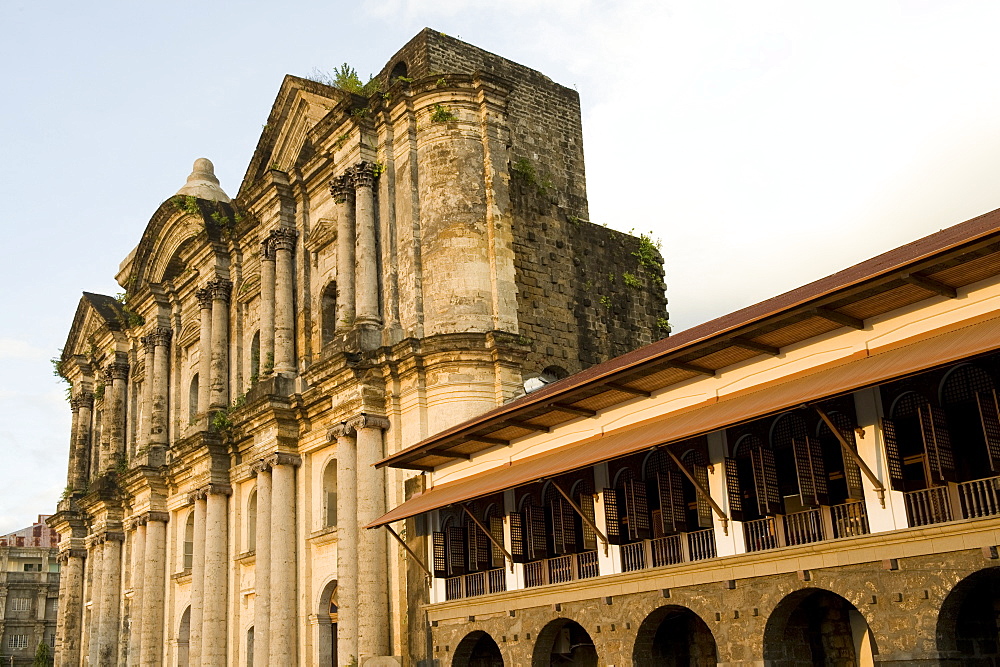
[(357, 251), (277, 301)]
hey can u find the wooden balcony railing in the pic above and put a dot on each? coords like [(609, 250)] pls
[(561, 569), (980, 497), (633, 556), (761, 534), (477, 583), (668, 550), (928, 506), (701, 544), (803, 527), (849, 519)]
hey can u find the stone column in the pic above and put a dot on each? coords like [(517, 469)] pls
[(111, 569), (197, 578), (74, 454), (213, 623), (145, 427), (283, 240), (262, 568), (283, 613), (266, 323), (373, 571), (79, 474), (95, 561), (221, 290), (347, 545), (115, 377), (138, 558), (366, 257), (342, 189), (69, 623), (161, 376), (204, 296), (153, 580)]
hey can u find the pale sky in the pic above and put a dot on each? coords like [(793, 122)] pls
[(766, 143)]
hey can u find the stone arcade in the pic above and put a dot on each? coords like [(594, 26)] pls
[(392, 265)]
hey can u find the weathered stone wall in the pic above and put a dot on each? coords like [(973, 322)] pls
[(905, 609)]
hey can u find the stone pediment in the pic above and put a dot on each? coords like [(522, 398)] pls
[(322, 235), (97, 316)]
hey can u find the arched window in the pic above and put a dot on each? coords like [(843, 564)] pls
[(189, 541), (328, 313), (330, 493), (252, 521), (917, 444), (250, 647), (193, 398), (398, 71), (799, 465), (255, 357), (969, 401)]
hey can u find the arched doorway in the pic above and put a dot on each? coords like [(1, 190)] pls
[(817, 627), (564, 642), (674, 637), (477, 649), (968, 626), (184, 638), (326, 623)]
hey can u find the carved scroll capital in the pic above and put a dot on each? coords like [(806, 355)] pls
[(283, 238), (204, 296), (116, 371), (342, 188), (365, 420), (220, 288), (341, 430), (283, 459)]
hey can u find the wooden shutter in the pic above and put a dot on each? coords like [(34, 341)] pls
[(673, 509), (440, 555), (612, 520), (569, 527), (989, 417), (563, 528), (937, 445), (496, 530), (893, 461), (700, 473), (765, 477), (636, 510), (852, 473), (534, 533), (811, 472), (456, 550), (733, 491), (586, 503), (478, 546), (518, 546)]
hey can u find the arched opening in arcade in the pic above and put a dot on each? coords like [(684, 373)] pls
[(968, 627), (184, 638), (817, 627), (564, 642), (674, 636), (477, 649), (326, 623)]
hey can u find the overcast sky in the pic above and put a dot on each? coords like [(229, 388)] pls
[(766, 143)]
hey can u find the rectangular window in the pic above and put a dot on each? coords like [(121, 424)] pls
[(21, 604), (17, 641)]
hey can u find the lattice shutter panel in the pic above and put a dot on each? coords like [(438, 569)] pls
[(636, 510), (937, 445), (611, 519), (989, 416), (673, 510), (558, 526), (586, 503), (733, 492), (894, 462), (534, 531), (440, 555), (496, 530), (804, 471), (569, 527), (518, 543), (765, 477), (819, 470), (456, 550), (700, 473), (852, 473), (472, 544)]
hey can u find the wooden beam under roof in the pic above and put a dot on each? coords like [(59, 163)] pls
[(488, 441), (526, 425), (753, 345), (563, 407), (447, 453), (690, 368), (931, 285), (617, 386), (839, 318)]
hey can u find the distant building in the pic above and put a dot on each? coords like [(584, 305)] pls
[(29, 591)]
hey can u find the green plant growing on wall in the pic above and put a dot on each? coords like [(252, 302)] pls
[(648, 253), (442, 114), (524, 171), (128, 318), (99, 391), (606, 301), (663, 324), (346, 78), (631, 280), (341, 141), (59, 370), (378, 168)]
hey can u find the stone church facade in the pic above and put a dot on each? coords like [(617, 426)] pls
[(392, 265)]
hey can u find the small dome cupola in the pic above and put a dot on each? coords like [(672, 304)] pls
[(202, 182)]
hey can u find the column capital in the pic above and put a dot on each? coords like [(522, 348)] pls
[(63, 556), (363, 174), (365, 420), (341, 430), (220, 288), (116, 371), (283, 238), (284, 459), (342, 188), (204, 296), (161, 336), (105, 536), (203, 492), (84, 399), (260, 466)]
